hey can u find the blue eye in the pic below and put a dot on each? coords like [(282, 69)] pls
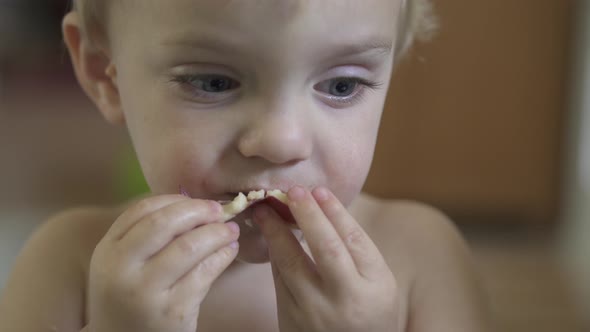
[(344, 91), (210, 83), (343, 88), (339, 87), (207, 88)]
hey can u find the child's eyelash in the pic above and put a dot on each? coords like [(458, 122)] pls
[(190, 79), (186, 79), (186, 82), (358, 96), (369, 84), (182, 79)]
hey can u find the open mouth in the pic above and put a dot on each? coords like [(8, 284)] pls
[(276, 199)]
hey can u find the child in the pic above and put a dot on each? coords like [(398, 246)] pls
[(228, 96)]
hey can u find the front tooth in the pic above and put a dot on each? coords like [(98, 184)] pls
[(241, 202), (234, 207), (278, 194), (254, 195), (248, 222)]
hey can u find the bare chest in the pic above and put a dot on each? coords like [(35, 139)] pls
[(244, 301)]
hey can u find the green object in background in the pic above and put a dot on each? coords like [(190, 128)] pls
[(129, 179)]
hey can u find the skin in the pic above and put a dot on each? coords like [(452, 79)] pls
[(288, 121)]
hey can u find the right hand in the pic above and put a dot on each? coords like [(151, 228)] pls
[(155, 265)]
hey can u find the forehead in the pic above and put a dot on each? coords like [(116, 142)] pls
[(284, 10), (265, 19)]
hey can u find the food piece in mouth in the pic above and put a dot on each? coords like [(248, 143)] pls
[(276, 199)]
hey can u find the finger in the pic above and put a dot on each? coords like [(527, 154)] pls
[(287, 305), (332, 259), (366, 256), (155, 230), (283, 294), (286, 254), (195, 284), (137, 211), (186, 251)]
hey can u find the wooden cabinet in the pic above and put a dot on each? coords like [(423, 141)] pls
[(474, 119)]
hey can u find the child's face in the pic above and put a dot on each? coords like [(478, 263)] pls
[(234, 95)]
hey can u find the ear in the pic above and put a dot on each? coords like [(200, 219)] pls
[(94, 70)]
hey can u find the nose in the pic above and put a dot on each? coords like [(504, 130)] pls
[(280, 137)]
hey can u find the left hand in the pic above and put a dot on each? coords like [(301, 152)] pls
[(346, 287)]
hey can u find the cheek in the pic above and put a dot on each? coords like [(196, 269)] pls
[(172, 141), (349, 171), (172, 152), (348, 163), (179, 160)]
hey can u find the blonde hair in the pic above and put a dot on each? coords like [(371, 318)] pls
[(417, 21)]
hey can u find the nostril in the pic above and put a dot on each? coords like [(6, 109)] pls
[(279, 140)]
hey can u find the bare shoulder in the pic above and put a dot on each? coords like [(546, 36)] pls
[(46, 284), (427, 252), (415, 225), (75, 230), (401, 224)]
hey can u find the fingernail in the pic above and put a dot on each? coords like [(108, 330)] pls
[(215, 207), (296, 193), (233, 227), (321, 193), (234, 245)]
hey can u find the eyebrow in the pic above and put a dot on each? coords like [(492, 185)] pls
[(378, 45)]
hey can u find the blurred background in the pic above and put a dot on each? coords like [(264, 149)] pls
[(489, 122)]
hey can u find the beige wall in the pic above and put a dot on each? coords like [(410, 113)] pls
[(473, 122)]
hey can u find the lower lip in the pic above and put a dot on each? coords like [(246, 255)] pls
[(247, 216), (280, 208), (243, 216)]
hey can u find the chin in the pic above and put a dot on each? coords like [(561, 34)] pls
[(253, 246)]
